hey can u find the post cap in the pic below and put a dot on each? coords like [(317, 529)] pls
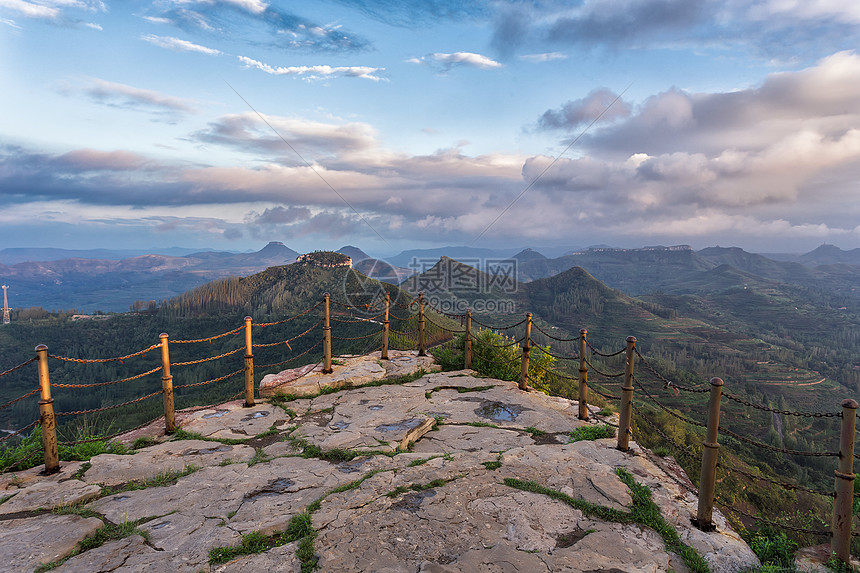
[(716, 381), (528, 315), (247, 318), (41, 347), (163, 335), (849, 403), (583, 331), (325, 294), (631, 339)]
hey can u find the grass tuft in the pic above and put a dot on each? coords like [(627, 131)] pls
[(591, 433)]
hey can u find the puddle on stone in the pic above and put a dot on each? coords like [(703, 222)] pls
[(499, 411), (363, 402), (121, 498), (217, 414), (255, 416), (351, 467), (377, 407), (160, 525), (411, 502), (405, 425), (274, 487), (339, 425), (204, 451)]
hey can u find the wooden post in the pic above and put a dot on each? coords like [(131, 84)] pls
[(840, 545), (583, 375), (167, 386), (249, 365), (47, 419), (385, 327), (422, 348), (626, 413), (708, 476), (467, 354), (527, 348), (327, 337)]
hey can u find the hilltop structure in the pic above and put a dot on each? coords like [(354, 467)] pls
[(326, 259)]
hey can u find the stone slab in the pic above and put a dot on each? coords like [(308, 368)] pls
[(32, 541), (234, 421), (50, 495)]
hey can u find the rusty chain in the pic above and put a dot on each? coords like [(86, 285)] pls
[(445, 328), (178, 386), (548, 335), (594, 368), (774, 448), (666, 382), (24, 459), (105, 408), (18, 399), (294, 358), (14, 368), (784, 485), (97, 384), (19, 431), (357, 337), (267, 324), (287, 341), (395, 317), (485, 343), (594, 350), (357, 320), (211, 338), (111, 436), (770, 522), (666, 409), (103, 360), (740, 400), (479, 323), (548, 353), (202, 360)]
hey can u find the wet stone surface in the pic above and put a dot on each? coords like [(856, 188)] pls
[(408, 478)]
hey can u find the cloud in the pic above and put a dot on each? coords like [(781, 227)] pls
[(545, 57), (316, 72), (178, 45), (414, 14), (601, 105), (278, 216), (129, 97), (258, 23), (448, 61), (53, 10)]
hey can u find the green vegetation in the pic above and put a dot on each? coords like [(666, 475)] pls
[(418, 486), (27, 452), (773, 547), (591, 433), (299, 529), (108, 532), (163, 479)]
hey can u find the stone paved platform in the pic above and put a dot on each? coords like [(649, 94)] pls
[(400, 478)]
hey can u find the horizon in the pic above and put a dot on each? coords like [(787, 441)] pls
[(224, 124)]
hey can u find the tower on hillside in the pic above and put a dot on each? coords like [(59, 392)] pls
[(6, 308)]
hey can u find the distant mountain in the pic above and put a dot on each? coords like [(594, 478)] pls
[(354, 253), (830, 255), (422, 259), (16, 255), (528, 255), (381, 270)]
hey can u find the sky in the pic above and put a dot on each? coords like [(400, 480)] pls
[(390, 125)]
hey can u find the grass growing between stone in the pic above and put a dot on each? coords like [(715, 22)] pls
[(591, 433), (644, 512), (299, 529), (160, 480), (107, 532), (181, 434), (27, 453)]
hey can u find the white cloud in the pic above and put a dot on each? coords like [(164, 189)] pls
[(545, 57), (317, 72), (50, 9), (122, 95), (94, 26), (448, 61), (252, 6), (178, 45)]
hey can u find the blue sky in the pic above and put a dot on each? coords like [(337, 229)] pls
[(390, 125)]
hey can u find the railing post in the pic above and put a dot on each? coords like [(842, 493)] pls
[(467, 354), (167, 386), (708, 477), (249, 365), (422, 348), (626, 413), (385, 327), (527, 348), (47, 419), (583, 375), (840, 545), (327, 337)]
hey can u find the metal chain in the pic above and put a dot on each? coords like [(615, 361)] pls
[(14, 368), (553, 372), (604, 374), (201, 360), (78, 412), (102, 360), (666, 382), (444, 327), (774, 523), (296, 357), (356, 337), (478, 322), (96, 384), (485, 343), (775, 449), (557, 357), (548, 335), (22, 460), (27, 395), (667, 410), (783, 412), (211, 338), (112, 436), (209, 381), (357, 319), (19, 431), (401, 333), (395, 317), (287, 341), (597, 391), (599, 353), (266, 324), (681, 449), (785, 485)]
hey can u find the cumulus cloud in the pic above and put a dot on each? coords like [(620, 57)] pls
[(54, 10), (130, 97), (600, 105), (448, 61), (278, 216), (178, 45), (316, 72)]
